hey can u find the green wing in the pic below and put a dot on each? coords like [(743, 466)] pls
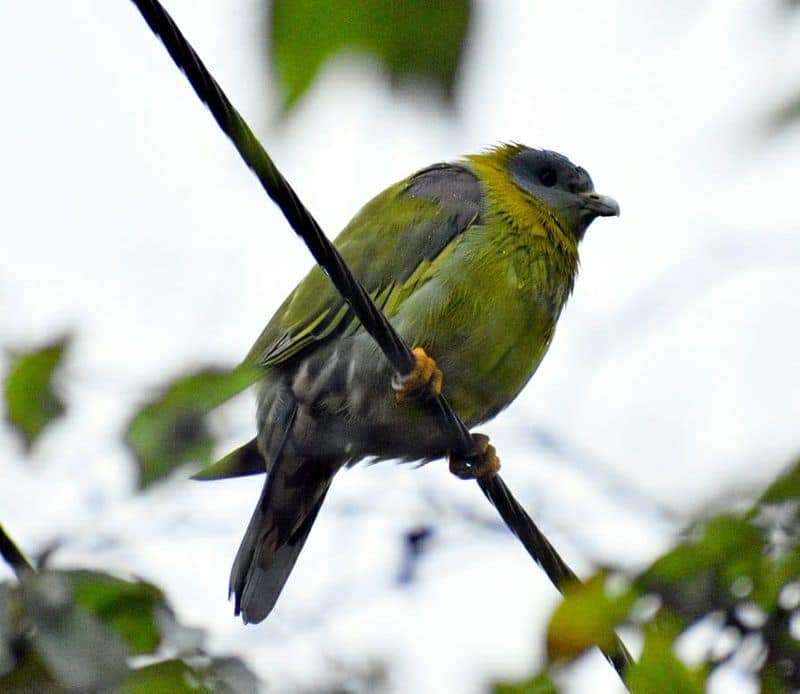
[(388, 245)]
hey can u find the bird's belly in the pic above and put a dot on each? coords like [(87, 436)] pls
[(487, 354), (509, 350), (488, 357)]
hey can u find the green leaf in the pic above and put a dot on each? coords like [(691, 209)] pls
[(786, 487), (167, 677), (171, 430), (68, 631), (697, 576), (659, 670), (774, 575), (220, 675), (79, 651), (28, 675), (31, 401), (540, 684), (586, 617), (413, 38), (128, 607)]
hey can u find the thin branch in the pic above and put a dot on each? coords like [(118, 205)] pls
[(14, 556), (372, 319)]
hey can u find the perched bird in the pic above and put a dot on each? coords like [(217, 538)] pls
[(472, 262)]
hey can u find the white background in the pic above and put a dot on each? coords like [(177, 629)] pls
[(673, 381)]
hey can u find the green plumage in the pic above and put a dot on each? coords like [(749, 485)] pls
[(471, 261)]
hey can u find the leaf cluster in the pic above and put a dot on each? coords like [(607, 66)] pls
[(734, 575), (81, 630)]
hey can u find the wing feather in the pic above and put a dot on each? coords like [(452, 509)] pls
[(419, 217)]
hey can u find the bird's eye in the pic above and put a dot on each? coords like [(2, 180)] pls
[(548, 177)]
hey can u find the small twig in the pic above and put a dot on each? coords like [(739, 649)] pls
[(14, 556), (372, 319)]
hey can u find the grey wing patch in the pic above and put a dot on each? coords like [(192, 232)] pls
[(454, 187)]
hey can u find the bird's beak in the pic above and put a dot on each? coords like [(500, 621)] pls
[(600, 205)]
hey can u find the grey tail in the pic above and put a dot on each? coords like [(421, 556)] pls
[(290, 500)]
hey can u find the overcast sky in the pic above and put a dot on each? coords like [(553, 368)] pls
[(673, 379)]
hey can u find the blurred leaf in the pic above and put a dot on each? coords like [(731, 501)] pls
[(219, 675), (774, 575), (413, 38), (697, 576), (128, 607), (81, 652), (29, 676), (772, 680), (780, 677), (64, 631), (31, 401), (786, 114), (541, 684), (785, 487), (167, 677), (171, 430), (179, 638), (659, 670), (586, 617), (230, 676)]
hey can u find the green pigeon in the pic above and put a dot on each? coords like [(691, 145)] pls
[(472, 262)]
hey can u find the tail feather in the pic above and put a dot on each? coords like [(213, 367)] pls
[(245, 460), (290, 501)]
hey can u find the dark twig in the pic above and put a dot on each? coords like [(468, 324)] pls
[(373, 320), (13, 555)]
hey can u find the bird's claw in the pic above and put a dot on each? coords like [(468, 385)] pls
[(486, 465), (424, 381)]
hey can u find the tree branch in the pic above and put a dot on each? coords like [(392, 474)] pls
[(13, 555)]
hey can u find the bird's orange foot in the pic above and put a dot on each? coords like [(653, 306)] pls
[(424, 381), (486, 465)]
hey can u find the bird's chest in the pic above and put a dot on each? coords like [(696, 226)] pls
[(516, 295)]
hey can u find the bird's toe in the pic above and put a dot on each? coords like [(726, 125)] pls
[(487, 464), (424, 381)]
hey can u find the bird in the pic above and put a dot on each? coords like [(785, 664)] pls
[(472, 262)]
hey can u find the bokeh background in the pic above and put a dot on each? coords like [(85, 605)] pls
[(672, 385)]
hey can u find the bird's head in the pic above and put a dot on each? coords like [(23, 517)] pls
[(566, 189)]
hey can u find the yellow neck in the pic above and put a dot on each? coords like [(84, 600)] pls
[(519, 210)]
